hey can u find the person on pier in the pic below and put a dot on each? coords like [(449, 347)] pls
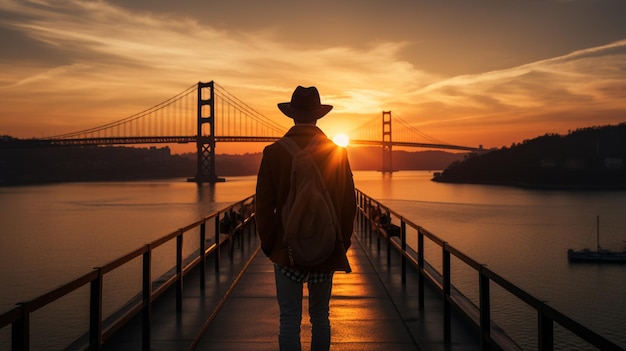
[(273, 186)]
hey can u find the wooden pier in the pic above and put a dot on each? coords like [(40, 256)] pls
[(370, 310)]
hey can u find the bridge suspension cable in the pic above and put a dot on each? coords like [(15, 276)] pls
[(176, 117), (409, 132), (370, 130), (235, 118), (403, 132), (172, 117)]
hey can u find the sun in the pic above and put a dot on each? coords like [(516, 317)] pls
[(341, 139)]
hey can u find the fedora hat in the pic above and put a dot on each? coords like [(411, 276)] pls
[(305, 105)]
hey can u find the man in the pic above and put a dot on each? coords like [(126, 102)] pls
[(272, 189)]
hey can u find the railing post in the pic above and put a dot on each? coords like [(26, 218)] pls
[(420, 263), (95, 312), (179, 271), (377, 234), (242, 230), (217, 243), (367, 222), (203, 255), (359, 212), (403, 244), (147, 299), (485, 310), (20, 330), (364, 215), (546, 330), (370, 221), (366, 227), (251, 230), (447, 310), (388, 238)]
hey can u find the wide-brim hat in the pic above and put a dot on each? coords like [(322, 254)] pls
[(305, 105)]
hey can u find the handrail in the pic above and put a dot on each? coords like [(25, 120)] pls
[(369, 209), (19, 316)]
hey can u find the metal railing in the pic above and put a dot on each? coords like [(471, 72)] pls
[(369, 216), (227, 223)]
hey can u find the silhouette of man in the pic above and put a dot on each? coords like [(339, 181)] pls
[(272, 189)]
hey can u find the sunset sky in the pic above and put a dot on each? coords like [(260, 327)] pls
[(490, 72)]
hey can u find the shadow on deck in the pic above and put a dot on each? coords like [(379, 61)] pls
[(370, 309)]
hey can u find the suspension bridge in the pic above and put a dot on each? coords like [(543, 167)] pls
[(207, 114)]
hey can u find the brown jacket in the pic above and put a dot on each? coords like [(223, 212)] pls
[(273, 187)]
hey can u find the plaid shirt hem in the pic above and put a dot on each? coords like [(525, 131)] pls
[(304, 276)]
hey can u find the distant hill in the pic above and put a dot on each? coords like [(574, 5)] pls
[(92, 163), (593, 157)]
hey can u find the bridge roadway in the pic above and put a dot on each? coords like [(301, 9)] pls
[(370, 309)]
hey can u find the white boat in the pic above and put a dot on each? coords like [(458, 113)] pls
[(600, 255)]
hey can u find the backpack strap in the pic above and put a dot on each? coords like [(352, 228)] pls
[(290, 145), (293, 147)]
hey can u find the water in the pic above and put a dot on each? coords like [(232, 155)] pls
[(523, 235), (53, 233)]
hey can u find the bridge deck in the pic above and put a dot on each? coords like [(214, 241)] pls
[(370, 310)]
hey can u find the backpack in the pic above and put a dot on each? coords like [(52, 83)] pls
[(310, 225)]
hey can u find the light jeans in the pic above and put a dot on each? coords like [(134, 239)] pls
[(289, 295)]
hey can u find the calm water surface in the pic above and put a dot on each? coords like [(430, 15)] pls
[(53, 233)]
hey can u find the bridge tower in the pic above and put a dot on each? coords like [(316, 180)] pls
[(205, 140), (387, 164)]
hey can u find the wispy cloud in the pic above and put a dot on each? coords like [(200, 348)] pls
[(49, 75), (584, 80), (149, 52)]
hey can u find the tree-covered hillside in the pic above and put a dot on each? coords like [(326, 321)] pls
[(592, 157)]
